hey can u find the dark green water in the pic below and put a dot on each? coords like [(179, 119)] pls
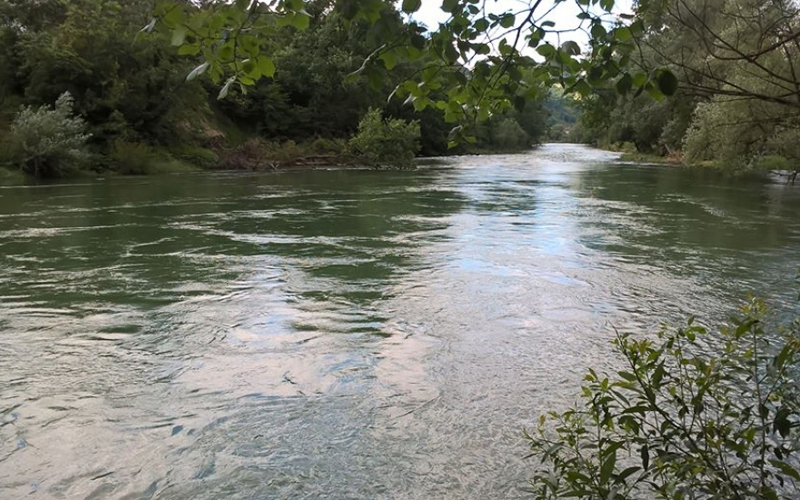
[(346, 334)]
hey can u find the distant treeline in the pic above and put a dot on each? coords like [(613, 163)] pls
[(738, 105), (141, 114)]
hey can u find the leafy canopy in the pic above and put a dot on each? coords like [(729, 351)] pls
[(475, 64)]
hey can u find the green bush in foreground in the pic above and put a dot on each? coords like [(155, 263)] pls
[(49, 142), (391, 142), (693, 416)]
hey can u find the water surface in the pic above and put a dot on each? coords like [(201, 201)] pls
[(347, 334)]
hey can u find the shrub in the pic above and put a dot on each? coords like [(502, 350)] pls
[(49, 142), (195, 155), (689, 418), (133, 158), (508, 135), (137, 158), (390, 142), (323, 146), (773, 162)]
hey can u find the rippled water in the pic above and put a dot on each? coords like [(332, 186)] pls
[(346, 334)]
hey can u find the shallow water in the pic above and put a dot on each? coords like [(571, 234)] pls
[(347, 334)]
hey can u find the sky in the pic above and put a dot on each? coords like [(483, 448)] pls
[(564, 14)]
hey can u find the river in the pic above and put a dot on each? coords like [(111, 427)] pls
[(347, 334)]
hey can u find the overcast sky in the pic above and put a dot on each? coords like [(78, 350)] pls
[(564, 14)]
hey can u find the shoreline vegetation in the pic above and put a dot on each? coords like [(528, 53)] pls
[(134, 105), (84, 91)]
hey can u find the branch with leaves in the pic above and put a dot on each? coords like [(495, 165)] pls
[(474, 65), (693, 415)]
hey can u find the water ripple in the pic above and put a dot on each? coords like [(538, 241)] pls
[(346, 334)]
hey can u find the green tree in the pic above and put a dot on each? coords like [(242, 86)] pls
[(478, 53), (122, 84), (737, 65)]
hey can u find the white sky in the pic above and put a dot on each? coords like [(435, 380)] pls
[(564, 14)]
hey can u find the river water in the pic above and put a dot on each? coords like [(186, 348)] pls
[(347, 334)]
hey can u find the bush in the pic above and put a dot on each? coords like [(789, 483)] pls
[(195, 155), (133, 158), (322, 146), (773, 162), (689, 418), (508, 135), (49, 142), (390, 142), (136, 158)]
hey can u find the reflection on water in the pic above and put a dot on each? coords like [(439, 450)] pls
[(346, 334)]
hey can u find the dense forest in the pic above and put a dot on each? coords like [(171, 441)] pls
[(141, 113), (115, 96), (738, 104)]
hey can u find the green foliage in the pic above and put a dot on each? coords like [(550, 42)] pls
[(11, 177), (123, 84), (301, 69), (506, 134), (283, 68), (196, 155), (322, 146), (49, 142), (691, 416), (390, 142), (736, 95), (774, 162), (479, 55), (136, 158), (739, 133), (133, 158)]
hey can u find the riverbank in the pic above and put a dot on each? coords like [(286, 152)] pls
[(651, 158), (251, 154), (769, 165)]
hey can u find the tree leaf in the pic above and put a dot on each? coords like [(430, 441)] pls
[(571, 48), (197, 72), (450, 6), (410, 6), (178, 35), (667, 82), (622, 34), (607, 467), (389, 59), (598, 31), (786, 469), (266, 66), (223, 93), (546, 50), (173, 17), (507, 20), (297, 20), (189, 49)]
